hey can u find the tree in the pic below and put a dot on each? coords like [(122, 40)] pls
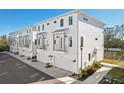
[(108, 36), (114, 37), (4, 43)]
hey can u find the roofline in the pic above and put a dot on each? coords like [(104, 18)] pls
[(68, 13), (22, 29), (92, 17), (60, 15)]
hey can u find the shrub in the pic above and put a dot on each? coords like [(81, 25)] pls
[(96, 64), (28, 58), (2, 48), (48, 65), (83, 74), (90, 69), (34, 57)]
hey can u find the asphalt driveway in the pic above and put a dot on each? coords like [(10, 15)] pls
[(13, 71)]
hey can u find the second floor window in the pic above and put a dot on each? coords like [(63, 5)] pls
[(61, 22), (70, 20), (38, 28)]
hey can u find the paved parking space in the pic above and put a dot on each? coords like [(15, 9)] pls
[(59, 75), (13, 71), (53, 71)]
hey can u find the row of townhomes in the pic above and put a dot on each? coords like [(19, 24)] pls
[(69, 41)]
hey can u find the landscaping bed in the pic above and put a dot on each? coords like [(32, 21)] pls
[(87, 71), (114, 76)]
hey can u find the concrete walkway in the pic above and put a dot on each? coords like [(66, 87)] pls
[(60, 74), (97, 76)]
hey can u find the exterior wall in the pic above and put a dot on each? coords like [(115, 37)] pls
[(29, 50), (93, 43), (61, 59), (13, 42)]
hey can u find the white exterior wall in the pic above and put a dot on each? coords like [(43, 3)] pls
[(60, 59), (28, 51), (89, 33), (13, 42)]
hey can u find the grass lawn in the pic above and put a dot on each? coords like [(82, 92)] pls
[(115, 62), (117, 74)]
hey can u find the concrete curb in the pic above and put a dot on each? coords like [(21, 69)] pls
[(112, 65), (96, 77)]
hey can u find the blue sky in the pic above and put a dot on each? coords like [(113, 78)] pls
[(12, 20)]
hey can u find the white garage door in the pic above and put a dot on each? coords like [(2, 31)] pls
[(64, 63)]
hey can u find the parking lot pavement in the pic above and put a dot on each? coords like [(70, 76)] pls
[(60, 75), (13, 71), (52, 71)]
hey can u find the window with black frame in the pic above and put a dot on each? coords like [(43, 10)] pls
[(61, 22), (70, 20)]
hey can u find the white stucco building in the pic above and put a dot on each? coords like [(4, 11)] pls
[(69, 41), (13, 42), (22, 41), (27, 38)]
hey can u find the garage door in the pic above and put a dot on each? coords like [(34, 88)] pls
[(64, 62)]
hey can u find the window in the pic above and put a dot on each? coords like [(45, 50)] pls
[(38, 28), (35, 42), (61, 22), (89, 57), (27, 31), (42, 41), (70, 41), (70, 20), (54, 21), (54, 41), (81, 42), (43, 27), (59, 42), (39, 41), (48, 23)]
